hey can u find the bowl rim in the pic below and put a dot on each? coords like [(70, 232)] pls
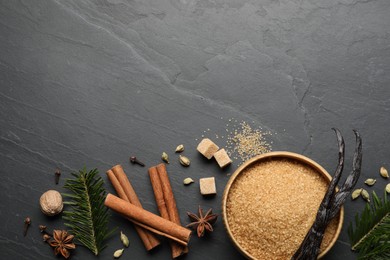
[(276, 154)]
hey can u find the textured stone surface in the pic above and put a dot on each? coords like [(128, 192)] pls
[(89, 83)]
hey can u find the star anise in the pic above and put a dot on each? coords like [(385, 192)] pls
[(203, 222), (62, 242)]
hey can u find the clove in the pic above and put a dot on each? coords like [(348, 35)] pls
[(42, 228), (46, 237), (57, 175), (134, 160), (27, 222)]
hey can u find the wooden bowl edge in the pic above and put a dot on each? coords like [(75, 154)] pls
[(285, 154)]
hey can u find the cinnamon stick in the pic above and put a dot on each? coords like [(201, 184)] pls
[(125, 191), (177, 249), (169, 198), (148, 220), (158, 192), (116, 184)]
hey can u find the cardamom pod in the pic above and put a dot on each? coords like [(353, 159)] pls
[(118, 253), (179, 148), (165, 157), (384, 172), (370, 182), (356, 193), (188, 181), (365, 195), (184, 161), (388, 188), (124, 239)]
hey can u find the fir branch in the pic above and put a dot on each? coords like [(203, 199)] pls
[(88, 217), (370, 235)]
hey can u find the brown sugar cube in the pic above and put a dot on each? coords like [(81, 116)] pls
[(207, 148), (222, 158), (207, 186)]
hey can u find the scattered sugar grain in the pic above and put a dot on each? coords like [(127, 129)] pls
[(247, 142)]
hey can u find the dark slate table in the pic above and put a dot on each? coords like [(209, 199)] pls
[(89, 83)]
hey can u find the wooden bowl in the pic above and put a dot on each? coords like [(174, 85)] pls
[(267, 157)]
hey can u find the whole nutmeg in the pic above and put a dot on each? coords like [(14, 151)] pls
[(51, 203)]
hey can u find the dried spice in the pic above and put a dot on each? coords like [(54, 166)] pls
[(356, 193), (370, 182), (134, 160), (57, 175), (46, 237), (202, 222), (118, 253), (124, 239), (124, 188), (27, 223), (365, 195), (165, 157), (184, 161), (188, 181), (42, 228), (166, 203), (62, 242), (51, 203), (179, 148), (383, 172), (332, 201), (148, 220)]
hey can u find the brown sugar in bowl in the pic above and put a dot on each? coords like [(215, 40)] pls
[(271, 201)]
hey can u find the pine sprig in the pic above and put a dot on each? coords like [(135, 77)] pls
[(88, 217), (370, 235)]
